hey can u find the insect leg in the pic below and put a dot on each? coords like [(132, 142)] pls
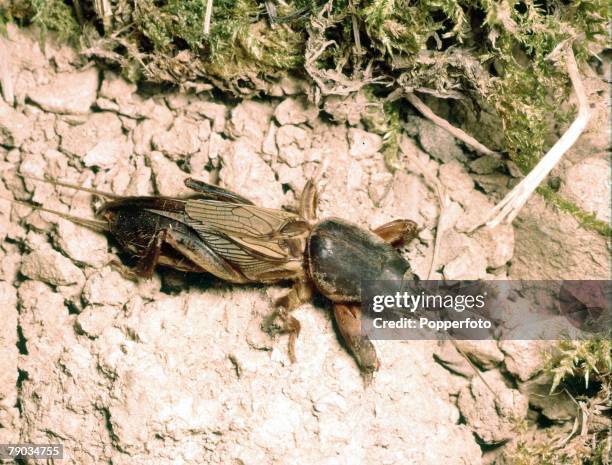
[(146, 264), (397, 232), (308, 201), (210, 191), (199, 253), (299, 294), (348, 318)]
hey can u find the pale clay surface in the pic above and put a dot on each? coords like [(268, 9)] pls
[(120, 371)]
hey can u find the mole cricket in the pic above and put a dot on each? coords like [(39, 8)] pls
[(219, 232)]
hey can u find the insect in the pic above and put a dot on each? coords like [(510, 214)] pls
[(222, 233)]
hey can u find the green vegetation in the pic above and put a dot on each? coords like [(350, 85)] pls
[(589, 359), (582, 368), (493, 53), (586, 219)]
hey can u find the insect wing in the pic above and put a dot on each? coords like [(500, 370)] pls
[(255, 239), (240, 221)]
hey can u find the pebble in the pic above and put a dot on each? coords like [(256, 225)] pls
[(295, 110), (50, 266), (71, 93), (363, 144), (182, 139), (15, 127)]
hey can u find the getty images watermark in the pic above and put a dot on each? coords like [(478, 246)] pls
[(486, 309)]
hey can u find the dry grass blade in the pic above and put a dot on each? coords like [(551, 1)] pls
[(207, 16), (509, 207)]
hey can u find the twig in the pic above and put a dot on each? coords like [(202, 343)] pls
[(6, 80), (456, 132), (207, 16), (506, 210)]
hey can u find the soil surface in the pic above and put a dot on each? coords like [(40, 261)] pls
[(177, 369)]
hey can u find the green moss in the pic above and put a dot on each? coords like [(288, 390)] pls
[(392, 135), (586, 219), (57, 16)]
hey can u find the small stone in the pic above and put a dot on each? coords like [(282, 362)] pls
[(169, 178), (291, 142), (269, 144), (439, 143), (346, 109), (49, 266), (496, 183), (498, 244), (557, 407), (82, 244), (115, 87), (244, 172), (485, 352), (155, 110), (524, 358), (215, 112), (379, 187), (180, 140), (449, 357), (462, 256), (468, 265), (491, 416), (456, 179), (293, 86), (354, 175), (143, 133), (198, 162), (107, 152), (15, 127), (588, 184), (249, 120), (140, 183), (93, 320), (486, 165), (178, 100), (71, 93), (79, 139), (363, 144), (295, 111), (108, 287)]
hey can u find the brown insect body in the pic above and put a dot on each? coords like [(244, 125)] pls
[(222, 233)]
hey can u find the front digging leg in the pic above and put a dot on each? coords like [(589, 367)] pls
[(348, 318), (397, 232)]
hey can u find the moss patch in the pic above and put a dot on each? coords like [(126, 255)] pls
[(586, 219)]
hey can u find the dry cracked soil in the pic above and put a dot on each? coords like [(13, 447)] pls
[(176, 369)]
